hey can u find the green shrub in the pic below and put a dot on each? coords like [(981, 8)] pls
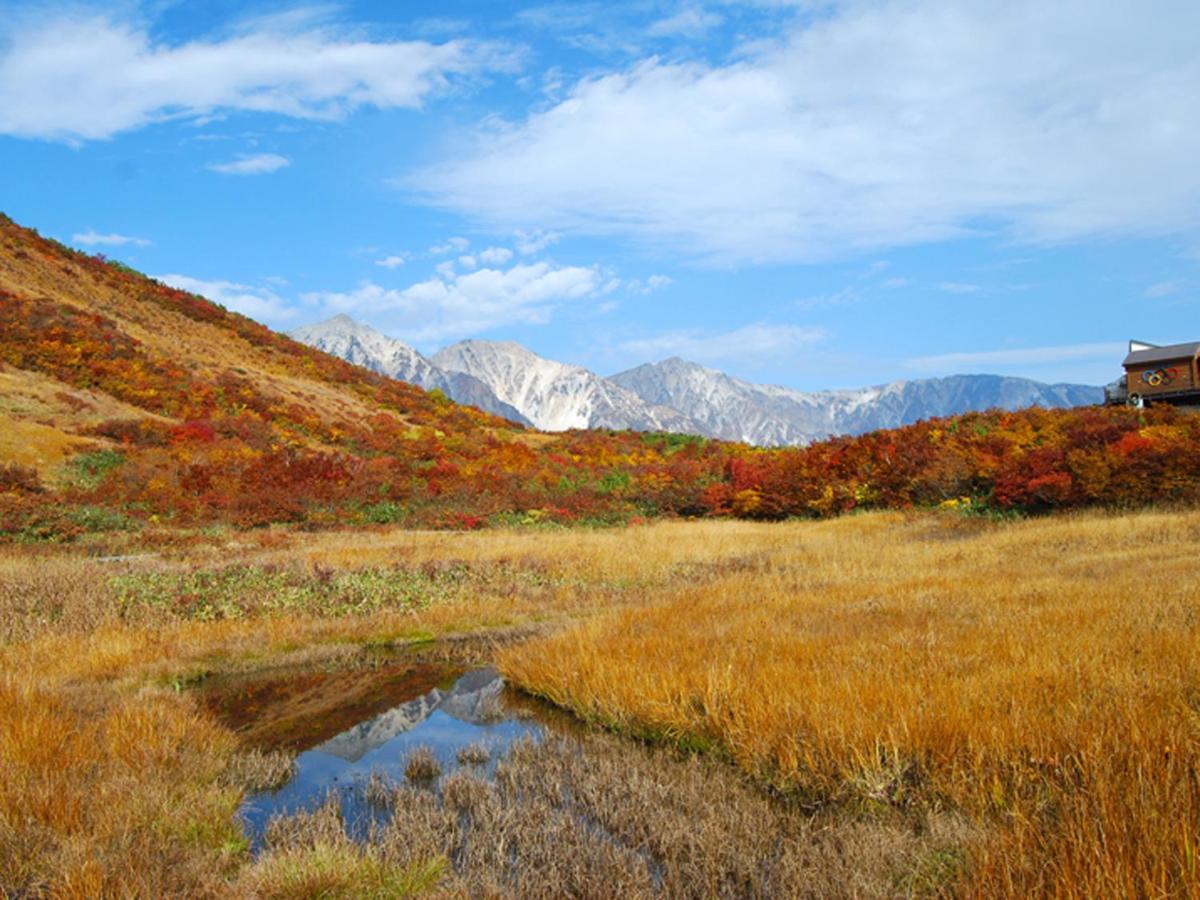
[(88, 470)]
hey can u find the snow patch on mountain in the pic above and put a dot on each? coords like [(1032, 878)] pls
[(554, 396), (766, 415), (673, 395), (364, 346)]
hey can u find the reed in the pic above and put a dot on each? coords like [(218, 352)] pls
[(1037, 681), (1040, 676)]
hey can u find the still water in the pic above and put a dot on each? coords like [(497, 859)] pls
[(348, 726)]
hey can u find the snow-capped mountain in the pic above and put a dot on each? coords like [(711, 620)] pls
[(673, 395), (364, 346), (729, 408), (474, 698), (555, 396)]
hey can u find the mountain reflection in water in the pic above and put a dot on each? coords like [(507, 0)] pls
[(474, 709)]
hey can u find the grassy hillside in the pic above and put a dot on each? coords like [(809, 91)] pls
[(125, 402)]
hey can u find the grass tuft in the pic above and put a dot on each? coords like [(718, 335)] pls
[(422, 765)]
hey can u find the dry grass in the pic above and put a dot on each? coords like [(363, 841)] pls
[(1042, 676), (254, 770), (509, 577), (474, 755), (115, 783), (596, 816), (310, 855), (1038, 679), (422, 765), (31, 405), (108, 796)]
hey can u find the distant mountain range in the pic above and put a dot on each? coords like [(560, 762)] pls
[(673, 395)]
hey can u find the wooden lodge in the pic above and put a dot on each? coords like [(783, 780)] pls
[(1169, 374)]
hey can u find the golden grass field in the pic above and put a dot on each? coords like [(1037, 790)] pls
[(1038, 679)]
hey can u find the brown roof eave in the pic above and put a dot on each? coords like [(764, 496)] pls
[(1173, 353)]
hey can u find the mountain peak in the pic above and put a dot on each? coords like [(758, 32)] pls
[(554, 395), (674, 394)]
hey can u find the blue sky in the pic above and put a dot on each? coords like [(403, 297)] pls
[(815, 194)]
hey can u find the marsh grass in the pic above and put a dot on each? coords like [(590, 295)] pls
[(422, 766), (1039, 676), (252, 770), (502, 577), (310, 855), (597, 816), (1020, 696), (476, 754)]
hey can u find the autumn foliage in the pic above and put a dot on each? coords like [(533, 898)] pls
[(221, 442)]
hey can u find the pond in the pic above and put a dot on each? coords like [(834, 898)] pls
[(352, 725), (525, 801)]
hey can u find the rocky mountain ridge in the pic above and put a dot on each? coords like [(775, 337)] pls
[(674, 395)]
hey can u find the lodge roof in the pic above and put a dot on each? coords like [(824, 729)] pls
[(1162, 354)]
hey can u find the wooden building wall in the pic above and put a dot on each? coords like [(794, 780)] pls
[(1175, 375)]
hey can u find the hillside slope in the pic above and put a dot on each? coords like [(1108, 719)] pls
[(121, 392), (125, 402)]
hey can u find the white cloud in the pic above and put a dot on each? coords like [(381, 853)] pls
[(262, 304), (688, 22), (530, 242), (756, 341), (74, 76), (1030, 356), (455, 305), (255, 164), (468, 262), (653, 283), (453, 245), (391, 262), (959, 287), (881, 124), (496, 256), (1162, 289), (91, 238)]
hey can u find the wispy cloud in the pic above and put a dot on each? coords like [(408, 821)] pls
[(78, 76), (453, 245), (1028, 356), (92, 238), (456, 305), (251, 164), (496, 256), (258, 303), (757, 341), (959, 287), (688, 22), (866, 282), (873, 126), (391, 262), (530, 242), (649, 286), (1162, 289)]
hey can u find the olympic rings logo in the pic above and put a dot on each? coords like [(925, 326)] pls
[(1159, 377)]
